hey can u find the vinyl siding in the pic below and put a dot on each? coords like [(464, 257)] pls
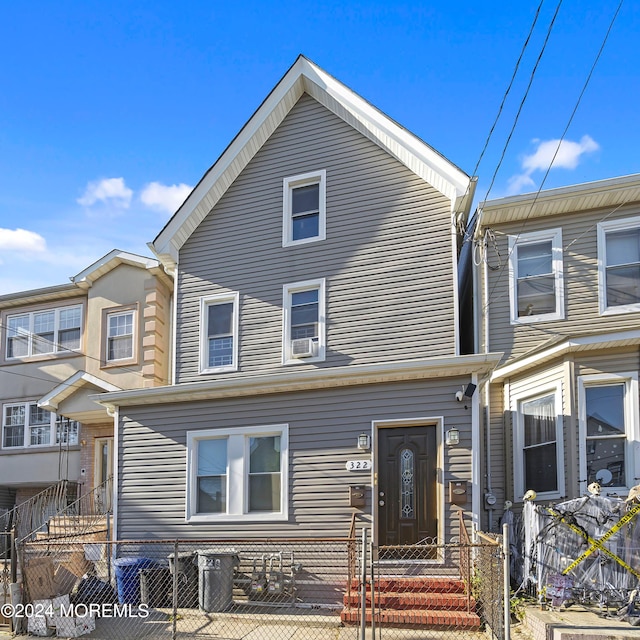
[(582, 315), (323, 430), (387, 257)]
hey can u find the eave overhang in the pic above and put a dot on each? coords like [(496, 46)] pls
[(305, 77), (601, 194), (592, 342), (424, 369)]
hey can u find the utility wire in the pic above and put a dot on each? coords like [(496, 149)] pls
[(564, 133)]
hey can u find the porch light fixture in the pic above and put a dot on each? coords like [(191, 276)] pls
[(364, 442), (452, 437)]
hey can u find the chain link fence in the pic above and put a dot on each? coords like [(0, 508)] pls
[(293, 589)]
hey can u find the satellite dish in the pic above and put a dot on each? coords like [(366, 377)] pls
[(604, 477)]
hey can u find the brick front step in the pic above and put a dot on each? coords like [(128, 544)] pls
[(415, 585), (421, 600), (417, 618)]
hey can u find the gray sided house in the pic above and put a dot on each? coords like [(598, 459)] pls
[(559, 291), (316, 338)]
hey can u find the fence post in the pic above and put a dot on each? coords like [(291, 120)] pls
[(363, 587), (506, 581), (174, 629)]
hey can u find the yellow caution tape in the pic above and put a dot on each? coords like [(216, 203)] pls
[(599, 544)]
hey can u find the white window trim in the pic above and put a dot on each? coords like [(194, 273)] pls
[(205, 303), (296, 287), (631, 423), (555, 235), (603, 228), (26, 438), (114, 314), (57, 350), (237, 474), (518, 440), (301, 180)]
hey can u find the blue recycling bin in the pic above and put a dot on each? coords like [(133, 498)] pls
[(127, 572)]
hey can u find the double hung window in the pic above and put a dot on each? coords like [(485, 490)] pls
[(219, 333), (238, 473), (619, 265), (539, 451), (608, 412), (304, 321), (536, 280), (120, 336), (27, 425), (43, 332), (304, 212)]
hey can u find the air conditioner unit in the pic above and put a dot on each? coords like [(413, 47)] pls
[(303, 348)]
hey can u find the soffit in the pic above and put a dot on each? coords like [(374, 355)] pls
[(603, 194), (306, 77)]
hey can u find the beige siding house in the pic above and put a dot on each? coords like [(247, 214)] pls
[(107, 330), (316, 337), (559, 295)]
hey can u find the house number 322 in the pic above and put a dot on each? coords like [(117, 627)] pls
[(359, 465)]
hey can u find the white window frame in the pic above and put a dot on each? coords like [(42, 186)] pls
[(288, 290), (603, 229), (554, 389), (108, 337), (535, 237), (30, 333), (237, 498), (631, 423), (206, 302), (303, 180), (54, 422)]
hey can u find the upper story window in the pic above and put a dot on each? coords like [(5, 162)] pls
[(609, 430), (44, 332), (120, 336), (538, 445), (536, 286), (619, 265), (25, 424), (237, 474), (304, 321), (219, 333), (304, 212)]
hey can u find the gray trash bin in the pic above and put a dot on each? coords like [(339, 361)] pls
[(184, 565), (216, 569)]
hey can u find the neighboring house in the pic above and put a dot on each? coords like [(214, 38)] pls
[(317, 365), (106, 330), (560, 296)]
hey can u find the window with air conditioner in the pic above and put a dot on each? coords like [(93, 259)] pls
[(304, 322)]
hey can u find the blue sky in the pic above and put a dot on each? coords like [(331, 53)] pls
[(111, 112)]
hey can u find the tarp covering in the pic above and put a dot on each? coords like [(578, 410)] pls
[(563, 548)]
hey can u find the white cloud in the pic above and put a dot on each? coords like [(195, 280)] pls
[(568, 155), (21, 240), (165, 198), (111, 190)]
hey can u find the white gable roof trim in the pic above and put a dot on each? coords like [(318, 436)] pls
[(306, 77), (52, 400)]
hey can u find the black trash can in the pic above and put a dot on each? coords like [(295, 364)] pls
[(216, 570), (156, 586), (187, 570)]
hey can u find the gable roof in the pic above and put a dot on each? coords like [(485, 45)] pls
[(306, 77)]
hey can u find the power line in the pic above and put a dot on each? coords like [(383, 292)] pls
[(564, 133)]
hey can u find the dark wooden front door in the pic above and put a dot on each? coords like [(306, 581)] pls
[(407, 510)]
